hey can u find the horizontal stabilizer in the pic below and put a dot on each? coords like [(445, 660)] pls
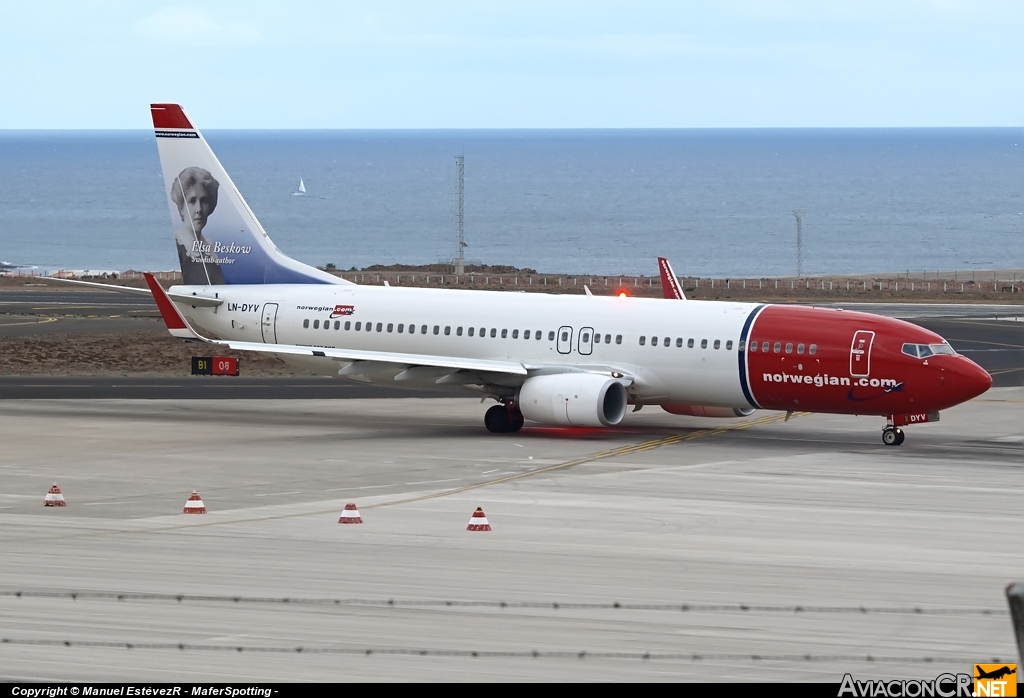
[(190, 299)]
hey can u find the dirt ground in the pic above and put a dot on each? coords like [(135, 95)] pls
[(118, 354)]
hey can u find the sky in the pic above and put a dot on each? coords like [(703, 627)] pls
[(439, 64)]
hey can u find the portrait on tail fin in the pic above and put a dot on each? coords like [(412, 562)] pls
[(194, 191)]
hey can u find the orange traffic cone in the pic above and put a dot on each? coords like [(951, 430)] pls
[(350, 515), (54, 498), (478, 521), (194, 505)]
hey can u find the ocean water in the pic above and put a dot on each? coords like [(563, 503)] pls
[(716, 202)]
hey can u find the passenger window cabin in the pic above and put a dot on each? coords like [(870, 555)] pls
[(402, 328)]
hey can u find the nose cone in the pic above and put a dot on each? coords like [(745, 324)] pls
[(969, 380)]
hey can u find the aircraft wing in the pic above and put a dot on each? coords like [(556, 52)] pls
[(198, 301), (396, 358), (178, 326)]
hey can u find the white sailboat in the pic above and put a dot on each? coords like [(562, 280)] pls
[(301, 191)]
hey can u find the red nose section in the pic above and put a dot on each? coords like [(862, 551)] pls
[(969, 380), (824, 360)]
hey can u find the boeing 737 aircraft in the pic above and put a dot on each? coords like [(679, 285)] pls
[(549, 359)]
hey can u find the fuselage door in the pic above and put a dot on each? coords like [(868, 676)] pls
[(270, 323), (860, 353), (586, 340), (564, 339)]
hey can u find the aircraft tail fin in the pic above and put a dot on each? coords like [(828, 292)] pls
[(669, 282), (218, 238)]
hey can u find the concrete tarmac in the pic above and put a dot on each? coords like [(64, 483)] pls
[(813, 513), (200, 388)]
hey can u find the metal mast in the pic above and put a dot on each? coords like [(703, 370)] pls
[(799, 213), (460, 242)]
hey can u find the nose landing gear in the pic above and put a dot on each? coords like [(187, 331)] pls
[(892, 436), (503, 419)]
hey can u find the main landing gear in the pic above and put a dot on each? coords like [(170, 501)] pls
[(503, 419), (892, 436)]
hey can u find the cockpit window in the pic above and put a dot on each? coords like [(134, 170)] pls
[(923, 351)]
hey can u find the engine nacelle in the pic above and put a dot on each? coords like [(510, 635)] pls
[(573, 399), (707, 411)]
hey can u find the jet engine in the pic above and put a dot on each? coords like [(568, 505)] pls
[(573, 399), (707, 411)]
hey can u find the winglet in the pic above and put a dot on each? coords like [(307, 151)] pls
[(176, 324), (669, 283)]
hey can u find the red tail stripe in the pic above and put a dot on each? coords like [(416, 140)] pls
[(169, 116)]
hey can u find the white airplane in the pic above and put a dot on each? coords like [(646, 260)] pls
[(550, 359)]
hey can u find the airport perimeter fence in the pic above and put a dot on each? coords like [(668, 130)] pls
[(610, 284), (941, 283)]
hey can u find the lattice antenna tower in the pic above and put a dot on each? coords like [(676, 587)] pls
[(799, 213), (460, 193)]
